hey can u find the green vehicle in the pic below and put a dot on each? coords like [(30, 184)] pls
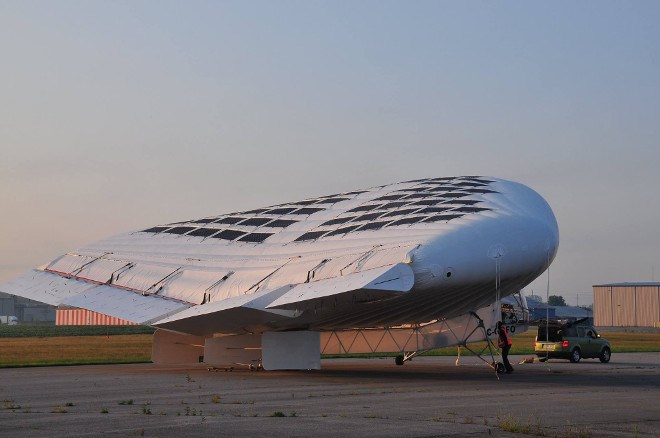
[(570, 341)]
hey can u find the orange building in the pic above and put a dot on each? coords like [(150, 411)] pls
[(69, 316)]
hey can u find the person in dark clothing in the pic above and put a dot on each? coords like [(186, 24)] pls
[(504, 342)]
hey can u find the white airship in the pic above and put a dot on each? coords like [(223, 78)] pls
[(403, 267)]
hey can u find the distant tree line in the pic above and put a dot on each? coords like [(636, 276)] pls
[(554, 300)]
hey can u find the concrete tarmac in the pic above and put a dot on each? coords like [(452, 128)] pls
[(428, 396)]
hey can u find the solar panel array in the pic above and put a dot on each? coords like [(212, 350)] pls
[(429, 200)]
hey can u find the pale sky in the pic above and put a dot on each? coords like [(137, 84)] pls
[(120, 115)]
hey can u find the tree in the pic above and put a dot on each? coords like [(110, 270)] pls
[(556, 300)]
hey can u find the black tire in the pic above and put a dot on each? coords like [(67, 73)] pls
[(499, 368), (398, 360), (575, 355), (605, 355)]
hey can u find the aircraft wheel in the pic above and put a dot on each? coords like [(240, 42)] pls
[(499, 367), (398, 360)]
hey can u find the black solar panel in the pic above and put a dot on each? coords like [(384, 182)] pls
[(339, 220), (229, 234), (442, 189), (391, 197), (307, 210), (470, 184), (399, 212), (465, 201), (343, 230), (280, 223), (330, 200), (229, 220), (426, 202), (155, 229), (407, 220), (443, 217), (280, 210), (468, 209), (367, 217), (455, 195), (417, 196), (480, 191), (256, 211), (312, 235), (433, 210), (180, 230), (392, 205), (203, 232), (255, 237), (364, 208), (255, 221), (478, 179), (306, 202), (373, 226)]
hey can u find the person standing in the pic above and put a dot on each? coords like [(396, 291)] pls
[(504, 342)]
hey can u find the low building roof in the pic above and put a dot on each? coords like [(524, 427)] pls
[(629, 284), (566, 311)]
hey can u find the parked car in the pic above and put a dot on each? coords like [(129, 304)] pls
[(8, 319), (570, 341)]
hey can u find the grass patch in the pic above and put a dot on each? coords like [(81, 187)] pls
[(508, 423), (75, 350), (42, 331), (9, 404)]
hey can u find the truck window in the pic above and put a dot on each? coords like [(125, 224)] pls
[(553, 331)]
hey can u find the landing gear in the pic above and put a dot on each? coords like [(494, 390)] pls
[(406, 356), (498, 367)]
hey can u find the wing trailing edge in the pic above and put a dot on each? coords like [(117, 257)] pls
[(269, 308), (372, 284), (56, 290)]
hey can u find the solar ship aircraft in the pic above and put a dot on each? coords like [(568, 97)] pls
[(403, 267)]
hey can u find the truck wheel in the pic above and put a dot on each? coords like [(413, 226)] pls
[(605, 355), (575, 355)]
